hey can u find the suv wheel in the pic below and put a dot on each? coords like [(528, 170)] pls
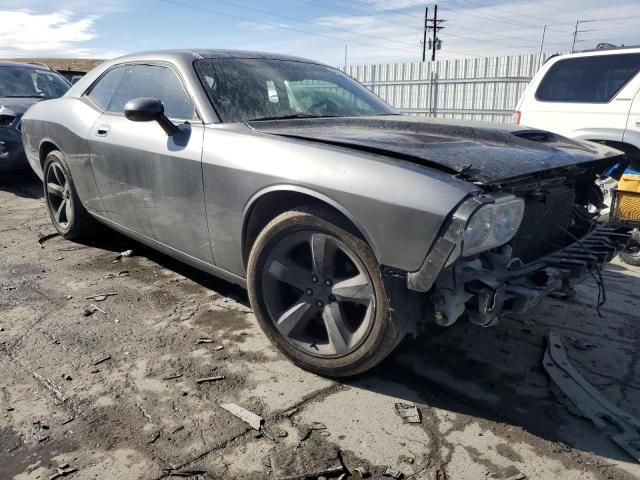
[(631, 254), (317, 292), (67, 213)]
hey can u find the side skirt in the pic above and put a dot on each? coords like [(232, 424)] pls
[(174, 253)]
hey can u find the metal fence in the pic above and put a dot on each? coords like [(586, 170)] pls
[(472, 88)]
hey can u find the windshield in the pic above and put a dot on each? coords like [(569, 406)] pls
[(243, 89), (31, 82)]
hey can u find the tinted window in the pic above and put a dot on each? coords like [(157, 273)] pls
[(103, 90), (125, 83), (31, 82), (252, 89), (595, 79)]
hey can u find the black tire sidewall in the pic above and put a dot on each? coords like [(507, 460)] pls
[(78, 225), (632, 258), (383, 336)]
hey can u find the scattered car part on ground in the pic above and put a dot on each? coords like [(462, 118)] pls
[(589, 401), (351, 226), (255, 421), (408, 412)]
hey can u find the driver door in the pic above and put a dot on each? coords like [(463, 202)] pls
[(149, 182)]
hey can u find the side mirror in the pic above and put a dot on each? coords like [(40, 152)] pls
[(147, 110)]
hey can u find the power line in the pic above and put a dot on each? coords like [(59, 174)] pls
[(275, 25), (258, 10)]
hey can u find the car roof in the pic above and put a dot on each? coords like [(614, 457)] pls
[(185, 54), (5, 63), (600, 51)]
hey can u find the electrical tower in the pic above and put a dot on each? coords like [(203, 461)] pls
[(431, 25)]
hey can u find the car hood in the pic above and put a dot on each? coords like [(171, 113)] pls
[(479, 152), (16, 106)]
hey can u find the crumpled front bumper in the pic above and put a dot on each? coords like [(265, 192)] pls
[(468, 287), (520, 289)]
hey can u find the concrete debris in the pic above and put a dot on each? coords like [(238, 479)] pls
[(68, 297), (100, 297), (63, 471), (362, 472), (210, 379), (305, 462), (218, 348), (409, 412), (126, 253), (87, 312), (393, 473), (255, 421), (122, 273), (204, 340), (602, 413), (102, 359)]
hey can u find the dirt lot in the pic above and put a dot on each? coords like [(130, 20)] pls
[(114, 394)]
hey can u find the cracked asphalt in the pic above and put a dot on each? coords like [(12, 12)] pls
[(114, 394)]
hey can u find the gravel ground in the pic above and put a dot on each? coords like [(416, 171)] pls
[(114, 394)]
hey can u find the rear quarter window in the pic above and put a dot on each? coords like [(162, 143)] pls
[(594, 79)]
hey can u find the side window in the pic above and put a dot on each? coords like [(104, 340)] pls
[(103, 90), (156, 82), (593, 79)]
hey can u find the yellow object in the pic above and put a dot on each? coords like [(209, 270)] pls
[(628, 198), (629, 183)]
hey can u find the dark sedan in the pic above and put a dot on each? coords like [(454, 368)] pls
[(22, 85)]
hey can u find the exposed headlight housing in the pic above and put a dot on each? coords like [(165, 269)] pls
[(493, 225)]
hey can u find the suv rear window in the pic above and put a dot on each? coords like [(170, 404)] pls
[(595, 79)]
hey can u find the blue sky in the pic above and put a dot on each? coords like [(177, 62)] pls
[(374, 30)]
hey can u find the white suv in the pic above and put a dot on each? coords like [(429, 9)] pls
[(587, 96)]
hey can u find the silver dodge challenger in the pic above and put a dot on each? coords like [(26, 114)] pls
[(351, 226)]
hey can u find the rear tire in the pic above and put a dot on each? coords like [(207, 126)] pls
[(327, 311), (631, 254), (68, 215)]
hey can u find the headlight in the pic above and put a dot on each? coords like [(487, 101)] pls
[(493, 225)]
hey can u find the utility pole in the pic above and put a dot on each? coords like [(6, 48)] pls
[(435, 32), (424, 36), (433, 25), (576, 32)]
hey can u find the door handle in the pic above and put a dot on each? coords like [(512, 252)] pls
[(102, 130)]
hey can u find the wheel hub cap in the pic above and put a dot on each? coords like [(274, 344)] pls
[(318, 294)]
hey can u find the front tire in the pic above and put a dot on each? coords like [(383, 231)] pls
[(68, 215), (631, 253), (318, 294)]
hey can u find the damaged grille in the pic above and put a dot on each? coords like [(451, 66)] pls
[(546, 215)]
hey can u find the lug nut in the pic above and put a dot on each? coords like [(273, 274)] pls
[(309, 291), (319, 303), (327, 283), (332, 298), (314, 279)]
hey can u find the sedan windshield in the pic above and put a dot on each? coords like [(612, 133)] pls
[(31, 82), (243, 89)]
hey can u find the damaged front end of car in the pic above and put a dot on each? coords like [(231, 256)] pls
[(517, 242)]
